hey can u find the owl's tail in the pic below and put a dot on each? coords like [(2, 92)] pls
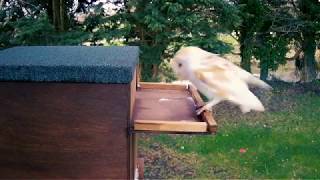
[(257, 82), (250, 79), (247, 101)]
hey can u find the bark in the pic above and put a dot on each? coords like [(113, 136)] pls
[(244, 51), (50, 11), (58, 15), (155, 71), (62, 16), (309, 69), (245, 58), (55, 13), (1, 4), (264, 69)]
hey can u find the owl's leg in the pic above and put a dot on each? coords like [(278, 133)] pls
[(208, 106)]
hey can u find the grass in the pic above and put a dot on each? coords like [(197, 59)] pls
[(281, 143)]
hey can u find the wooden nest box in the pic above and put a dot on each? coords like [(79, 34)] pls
[(74, 111)]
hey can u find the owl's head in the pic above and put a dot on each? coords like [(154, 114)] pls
[(184, 60)]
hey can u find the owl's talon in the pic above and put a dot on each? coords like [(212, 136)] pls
[(199, 106), (200, 109)]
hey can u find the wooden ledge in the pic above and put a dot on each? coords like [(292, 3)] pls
[(163, 107), (175, 126)]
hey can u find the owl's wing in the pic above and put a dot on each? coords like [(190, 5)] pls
[(214, 60), (218, 61), (225, 84)]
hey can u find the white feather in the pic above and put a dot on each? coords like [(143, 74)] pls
[(217, 78)]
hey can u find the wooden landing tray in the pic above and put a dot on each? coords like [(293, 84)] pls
[(170, 108)]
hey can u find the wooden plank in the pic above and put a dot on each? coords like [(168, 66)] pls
[(138, 74), (166, 86), (140, 166), (64, 131), (170, 126), (205, 115), (133, 155), (132, 95), (155, 104), (132, 138), (195, 95), (212, 124)]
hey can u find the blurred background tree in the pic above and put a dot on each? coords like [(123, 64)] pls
[(160, 27), (257, 37), (265, 30), (307, 13)]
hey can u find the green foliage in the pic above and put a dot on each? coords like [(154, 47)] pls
[(30, 22), (271, 53), (160, 27), (31, 31), (253, 14), (308, 12), (264, 33), (37, 31)]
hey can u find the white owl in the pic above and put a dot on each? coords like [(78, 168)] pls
[(217, 78)]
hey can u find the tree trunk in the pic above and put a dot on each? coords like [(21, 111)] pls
[(62, 14), (55, 14), (155, 71), (245, 58), (58, 15), (264, 69), (309, 69), (50, 11), (244, 51), (1, 4)]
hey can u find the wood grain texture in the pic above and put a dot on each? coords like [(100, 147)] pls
[(140, 166), (163, 104), (205, 115), (170, 126), (164, 108), (132, 137), (63, 130), (164, 86)]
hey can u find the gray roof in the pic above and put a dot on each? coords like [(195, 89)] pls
[(69, 64)]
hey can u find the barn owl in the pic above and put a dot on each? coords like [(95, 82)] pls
[(217, 78)]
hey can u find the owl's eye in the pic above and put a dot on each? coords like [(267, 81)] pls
[(180, 65)]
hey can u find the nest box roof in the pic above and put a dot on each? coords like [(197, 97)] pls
[(69, 64)]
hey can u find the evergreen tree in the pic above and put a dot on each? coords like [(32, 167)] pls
[(302, 24), (260, 34), (159, 27), (308, 11), (252, 13)]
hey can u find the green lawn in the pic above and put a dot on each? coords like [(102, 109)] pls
[(281, 143)]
